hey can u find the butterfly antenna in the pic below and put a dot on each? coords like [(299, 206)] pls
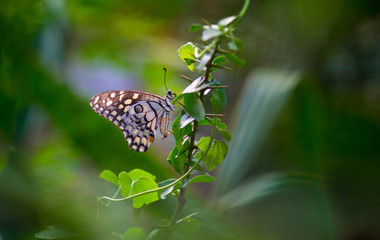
[(165, 79)]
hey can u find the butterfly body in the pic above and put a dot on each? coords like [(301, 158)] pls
[(138, 114)]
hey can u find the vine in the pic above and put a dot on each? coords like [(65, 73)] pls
[(186, 156)]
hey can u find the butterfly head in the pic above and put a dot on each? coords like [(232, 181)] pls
[(170, 95)]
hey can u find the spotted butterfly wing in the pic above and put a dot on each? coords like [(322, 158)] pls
[(137, 114)]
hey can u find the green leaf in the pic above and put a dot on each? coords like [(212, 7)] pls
[(125, 182), (195, 27), (179, 96), (236, 44), (220, 60), (225, 133), (177, 158), (180, 131), (226, 21), (219, 97), (142, 185), (211, 32), (202, 178), (232, 46), (136, 174), (177, 131), (194, 106), (109, 176), (221, 127), (55, 232), (188, 51), (172, 155), (198, 167), (134, 234), (215, 155), (235, 59)]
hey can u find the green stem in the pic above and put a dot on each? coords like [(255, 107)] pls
[(166, 186), (244, 9)]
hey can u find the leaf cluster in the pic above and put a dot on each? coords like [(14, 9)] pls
[(190, 152)]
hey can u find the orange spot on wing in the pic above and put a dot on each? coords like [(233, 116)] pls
[(151, 139)]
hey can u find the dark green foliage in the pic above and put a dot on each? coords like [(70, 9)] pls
[(303, 159)]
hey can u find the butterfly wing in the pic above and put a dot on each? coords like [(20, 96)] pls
[(136, 113)]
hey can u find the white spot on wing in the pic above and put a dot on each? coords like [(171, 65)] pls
[(96, 99)]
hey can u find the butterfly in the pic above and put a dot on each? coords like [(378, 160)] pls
[(137, 114)]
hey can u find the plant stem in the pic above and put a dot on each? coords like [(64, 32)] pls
[(181, 196), (169, 185)]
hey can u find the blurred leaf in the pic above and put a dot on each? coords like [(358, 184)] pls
[(55, 232), (264, 94), (226, 21), (194, 106), (253, 190), (134, 234), (188, 51), (219, 98), (235, 59), (188, 225), (195, 27), (142, 185), (136, 174), (215, 155), (109, 176), (202, 178), (196, 86), (232, 46), (211, 32), (125, 182), (236, 44), (155, 234)]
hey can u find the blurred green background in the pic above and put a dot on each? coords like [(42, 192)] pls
[(304, 161)]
